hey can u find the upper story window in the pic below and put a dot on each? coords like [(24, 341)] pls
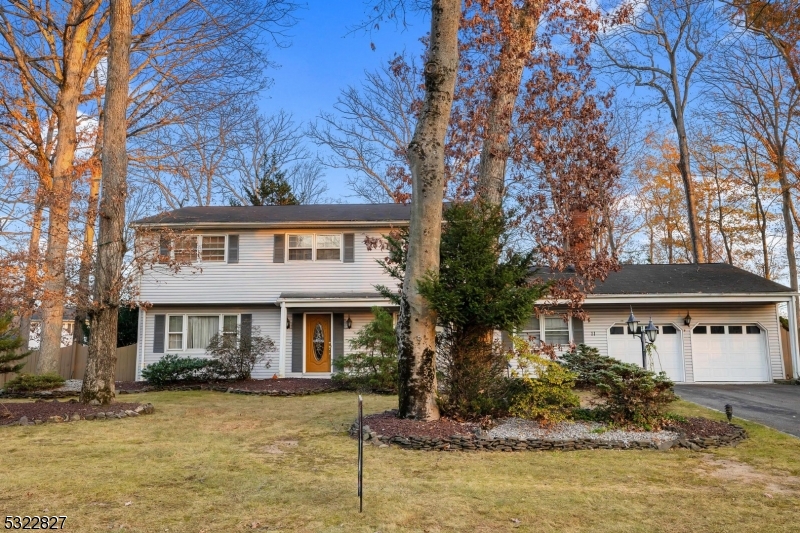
[(212, 248), (204, 248), (185, 249), (309, 247), (329, 247), (301, 247)]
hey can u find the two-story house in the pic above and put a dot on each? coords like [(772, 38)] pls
[(306, 277), (303, 274)]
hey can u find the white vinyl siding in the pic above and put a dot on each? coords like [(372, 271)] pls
[(267, 319), (603, 317), (257, 280)]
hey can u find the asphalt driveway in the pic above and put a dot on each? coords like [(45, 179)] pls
[(776, 406)]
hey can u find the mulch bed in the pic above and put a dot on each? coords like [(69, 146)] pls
[(698, 427), (387, 423), (11, 412)]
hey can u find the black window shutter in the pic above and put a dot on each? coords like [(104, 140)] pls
[(297, 342), (349, 245), (233, 248), (163, 249), (279, 248), (158, 333), (338, 337), (246, 327), (577, 330)]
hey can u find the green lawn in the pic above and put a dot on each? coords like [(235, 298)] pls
[(222, 462)]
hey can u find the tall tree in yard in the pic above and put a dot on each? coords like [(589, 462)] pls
[(98, 382), (426, 155), (660, 45)]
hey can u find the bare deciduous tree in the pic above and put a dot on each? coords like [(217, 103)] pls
[(659, 44)]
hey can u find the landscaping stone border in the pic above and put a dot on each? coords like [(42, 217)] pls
[(174, 388), (474, 443), (142, 409)]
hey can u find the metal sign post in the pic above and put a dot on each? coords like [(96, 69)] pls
[(360, 454)]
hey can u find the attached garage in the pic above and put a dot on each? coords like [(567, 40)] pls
[(716, 322), (730, 352), (667, 356)]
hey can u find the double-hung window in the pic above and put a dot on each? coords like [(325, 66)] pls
[(329, 247), (212, 248), (556, 330), (175, 333), (310, 247), (185, 249), (301, 247)]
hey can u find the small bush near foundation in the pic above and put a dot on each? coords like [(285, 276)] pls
[(543, 389), (237, 354), (173, 369), (634, 395), (374, 366), (586, 363), (31, 383)]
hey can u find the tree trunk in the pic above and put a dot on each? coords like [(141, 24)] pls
[(59, 196), (87, 252), (98, 382), (31, 271), (505, 86), (417, 324), (684, 166)]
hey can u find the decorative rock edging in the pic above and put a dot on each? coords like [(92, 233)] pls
[(32, 395), (142, 409), (472, 443), (174, 388)]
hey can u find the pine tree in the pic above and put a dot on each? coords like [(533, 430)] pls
[(10, 342), (272, 189)]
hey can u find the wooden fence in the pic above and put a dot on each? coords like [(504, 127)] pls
[(73, 363)]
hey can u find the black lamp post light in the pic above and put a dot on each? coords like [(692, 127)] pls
[(647, 335)]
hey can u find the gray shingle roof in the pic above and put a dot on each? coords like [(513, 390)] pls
[(704, 278), (282, 214)]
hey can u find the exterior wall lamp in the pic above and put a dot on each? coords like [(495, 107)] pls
[(288, 324), (687, 320), (348, 322), (647, 335)]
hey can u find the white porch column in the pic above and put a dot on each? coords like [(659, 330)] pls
[(791, 309), (282, 345)]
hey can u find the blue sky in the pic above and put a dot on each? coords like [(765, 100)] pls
[(324, 57)]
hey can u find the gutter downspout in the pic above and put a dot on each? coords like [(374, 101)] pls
[(142, 343), (282, 343), (793, 337)]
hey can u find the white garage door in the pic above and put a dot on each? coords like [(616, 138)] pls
[(668, 355), (736, 352)]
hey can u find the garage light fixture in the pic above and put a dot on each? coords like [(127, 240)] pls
[(687, 320)]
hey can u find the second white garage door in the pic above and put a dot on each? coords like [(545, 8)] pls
[(736, 352), (668, 355)]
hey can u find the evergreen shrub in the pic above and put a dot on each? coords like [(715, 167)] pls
[(373, 366), (33, 383)]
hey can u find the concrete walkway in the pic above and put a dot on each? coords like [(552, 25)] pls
[(776, 406)]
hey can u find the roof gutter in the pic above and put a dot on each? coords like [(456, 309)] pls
[(285, 225), (691, 297)]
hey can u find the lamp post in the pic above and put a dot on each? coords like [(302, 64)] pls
[(647, 336)]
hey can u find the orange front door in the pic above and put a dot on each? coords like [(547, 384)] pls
[(318, 343)]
